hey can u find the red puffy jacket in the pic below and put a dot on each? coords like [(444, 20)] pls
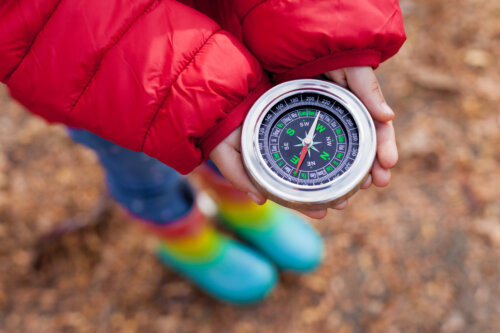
[(162, 77)]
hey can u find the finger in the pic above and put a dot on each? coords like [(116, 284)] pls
[(387, 151), (341, 205), (229, 163), (363, 82), (314, 213), (380, 176), (234, 139), (367, 182), (338, 76)]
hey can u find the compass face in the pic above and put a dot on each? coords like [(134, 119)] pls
[(308, 139)]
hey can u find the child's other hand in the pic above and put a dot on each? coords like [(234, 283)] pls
[(363, 82)]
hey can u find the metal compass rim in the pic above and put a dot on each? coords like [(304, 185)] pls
[(300, 195)]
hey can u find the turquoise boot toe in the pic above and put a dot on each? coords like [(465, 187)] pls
[(231, 272), (286, 238)]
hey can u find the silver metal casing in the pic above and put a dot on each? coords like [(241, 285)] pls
[(304, 196)]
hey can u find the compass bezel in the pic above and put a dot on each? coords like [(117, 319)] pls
[(295, 195)]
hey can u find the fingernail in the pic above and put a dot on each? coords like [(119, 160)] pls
[(387, 109), (341, 205), (367, 180), (255, 198)]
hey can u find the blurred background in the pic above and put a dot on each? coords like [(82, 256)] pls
[(422, 255)]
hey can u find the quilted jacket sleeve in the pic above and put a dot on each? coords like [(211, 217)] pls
[(150, 75), (295, 39)]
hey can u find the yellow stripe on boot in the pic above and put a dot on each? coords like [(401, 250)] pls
[(247, 213), (201, 247)]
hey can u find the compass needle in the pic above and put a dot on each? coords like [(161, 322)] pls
[(309, 136)]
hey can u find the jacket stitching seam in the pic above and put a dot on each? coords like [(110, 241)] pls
[(169, 88), (8, 76), (107, 49), (251, 10), (387, 22)]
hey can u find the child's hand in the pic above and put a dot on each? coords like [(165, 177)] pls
[(227, 158), (363, 82)]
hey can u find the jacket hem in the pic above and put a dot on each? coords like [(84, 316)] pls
[(351, 58), (232, 121)]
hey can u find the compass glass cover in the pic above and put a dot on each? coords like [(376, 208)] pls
[(285, 127)]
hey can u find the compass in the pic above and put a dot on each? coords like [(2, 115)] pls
[(308, 143)]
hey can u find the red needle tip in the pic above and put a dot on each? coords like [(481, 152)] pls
[(303, 153)]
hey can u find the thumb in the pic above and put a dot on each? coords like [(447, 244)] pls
[(363, 82)]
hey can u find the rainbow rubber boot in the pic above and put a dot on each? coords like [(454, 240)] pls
[(283, 236), (222, 267)]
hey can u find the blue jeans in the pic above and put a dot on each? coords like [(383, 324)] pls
[(144, 186)]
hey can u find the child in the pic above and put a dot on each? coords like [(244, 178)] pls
[(162, 78)]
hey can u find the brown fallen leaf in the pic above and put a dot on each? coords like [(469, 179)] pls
[(435, 79)]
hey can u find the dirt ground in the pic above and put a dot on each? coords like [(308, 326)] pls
[(422, 255)]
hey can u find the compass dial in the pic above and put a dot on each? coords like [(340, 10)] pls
[(283, 139)]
